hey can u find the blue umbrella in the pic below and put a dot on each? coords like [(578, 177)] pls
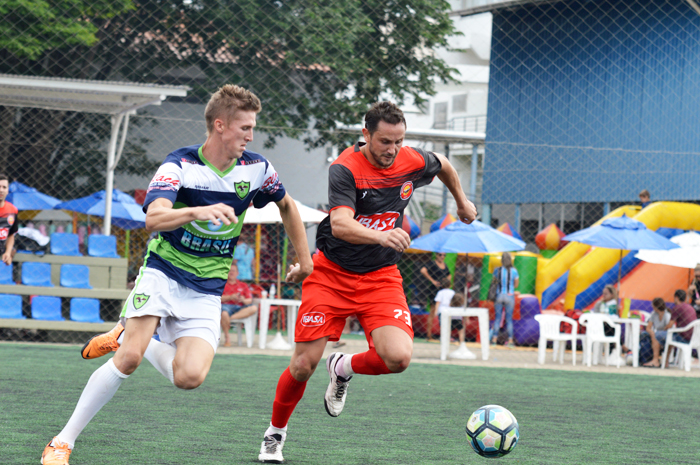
[(467, 238), (28, 198), (621, 233), (126, 213)]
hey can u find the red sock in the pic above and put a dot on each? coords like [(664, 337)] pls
[(369, 363), (289, 393)]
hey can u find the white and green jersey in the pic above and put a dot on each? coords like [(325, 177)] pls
[(199, 254)]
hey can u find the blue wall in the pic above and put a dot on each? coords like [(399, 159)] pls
[(593, 101)]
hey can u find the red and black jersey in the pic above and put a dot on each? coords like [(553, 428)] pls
[(8, 223), (378, 197)]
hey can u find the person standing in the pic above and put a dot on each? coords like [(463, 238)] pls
[(8, 222), (355, 272), (435, 273), (178, 291), (508, 280)]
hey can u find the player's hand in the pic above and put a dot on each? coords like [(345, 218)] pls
[(217, 214), (7, 257), (296, 274), (467, 212), (396, 239)]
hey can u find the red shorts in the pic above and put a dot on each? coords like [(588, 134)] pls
[(331, 294)]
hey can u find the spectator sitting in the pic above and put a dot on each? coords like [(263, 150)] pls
[(651, 340), (236, 302), (645, 198), (694, 292), (682, 314)]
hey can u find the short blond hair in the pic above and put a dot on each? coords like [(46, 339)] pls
[(226, 101)]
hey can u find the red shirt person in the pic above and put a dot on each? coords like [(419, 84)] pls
[(8, 222), (355, 271), (236, 302), (682, 314)]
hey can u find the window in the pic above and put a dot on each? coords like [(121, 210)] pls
[(440, 115), (459, 103)]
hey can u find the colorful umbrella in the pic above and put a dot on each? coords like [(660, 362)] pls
[(550, 238), (506, 228), (410, 227), (28, 198), (126, 213), (687, 256), (467, 238), (442, 222)]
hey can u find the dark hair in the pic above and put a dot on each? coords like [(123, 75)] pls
[(3, 177), (658, 303), (680, 295), (383, 111), (457, 300), (446, 282)]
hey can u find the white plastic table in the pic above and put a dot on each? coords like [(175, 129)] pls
[(632, 330), (292, 308), (446, 315)]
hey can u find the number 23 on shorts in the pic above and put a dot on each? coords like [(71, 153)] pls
[(405, 314)]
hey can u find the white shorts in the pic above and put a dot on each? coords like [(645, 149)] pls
[(183, 312)]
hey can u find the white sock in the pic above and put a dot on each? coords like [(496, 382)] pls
[(272, 430), (161, 356), (99, 389), (344, 368)]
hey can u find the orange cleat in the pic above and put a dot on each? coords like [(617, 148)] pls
[(102, 344), (56, 453)]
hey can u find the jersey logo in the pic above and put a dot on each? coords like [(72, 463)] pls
[(379, 221), (140, 300), (11, 219), (242, 189), (406, 190), (313, 319), (4, 233), (364, 194)]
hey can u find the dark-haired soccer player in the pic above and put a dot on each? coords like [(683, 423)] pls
[(355, 270)]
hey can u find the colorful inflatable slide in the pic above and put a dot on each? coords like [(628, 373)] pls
[(579, 272)]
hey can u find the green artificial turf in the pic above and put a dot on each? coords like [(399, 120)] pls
[(417, 417)]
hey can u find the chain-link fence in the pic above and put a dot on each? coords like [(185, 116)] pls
[(589, 103)]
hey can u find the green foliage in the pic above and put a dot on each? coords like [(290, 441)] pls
[(28, 28), (313, 64)]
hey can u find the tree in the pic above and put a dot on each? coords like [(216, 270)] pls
[(313, 64)]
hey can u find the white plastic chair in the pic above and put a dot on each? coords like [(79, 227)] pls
[(685, 348), (249, 323), (550, 330), (595, 334)]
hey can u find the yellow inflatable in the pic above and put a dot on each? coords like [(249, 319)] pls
[(592, 266)]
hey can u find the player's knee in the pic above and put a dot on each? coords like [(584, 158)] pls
[(188, 380), (128, 360), (398, 360), (303, 368)]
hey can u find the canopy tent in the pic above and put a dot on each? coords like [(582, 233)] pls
[(118, 99), (28, 198), (271, 214)]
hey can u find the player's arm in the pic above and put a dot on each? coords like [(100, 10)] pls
[(466, 211), (345, 227), (297, 234), (9, 247), (162, 217)]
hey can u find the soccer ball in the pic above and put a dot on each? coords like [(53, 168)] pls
[(492, 431)]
